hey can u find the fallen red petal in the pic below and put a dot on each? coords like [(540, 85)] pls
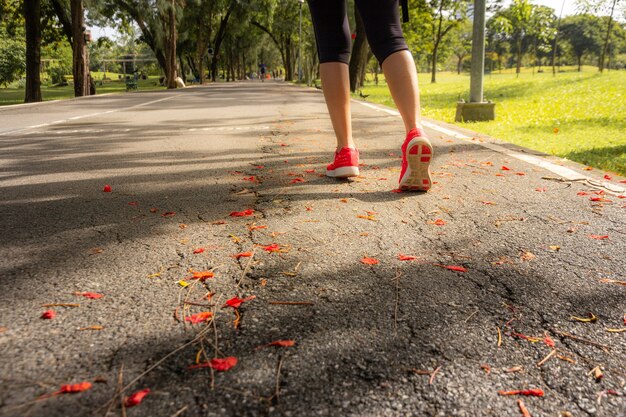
[(219, 364), (199, 250), (73, 388), (200, 317), (107, 188), (406, 257), (236, 302), (136, 398), (369, 261), (247, 212), (92, 295), (453, 267), (48, 314), (242, 255), (599, 237), (274, 247), (534, 392)]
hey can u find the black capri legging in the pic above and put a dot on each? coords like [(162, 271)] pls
[(382, 26)]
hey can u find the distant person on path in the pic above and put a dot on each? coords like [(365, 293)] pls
[(384, 34), (263, 71)]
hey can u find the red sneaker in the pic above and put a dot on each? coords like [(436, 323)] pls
[(417, 152), (346, 164)]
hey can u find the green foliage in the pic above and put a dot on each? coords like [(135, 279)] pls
[(12, 60)]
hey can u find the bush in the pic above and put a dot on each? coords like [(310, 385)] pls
[(12, 60), (57, 74)]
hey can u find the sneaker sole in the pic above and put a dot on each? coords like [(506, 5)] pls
[(417, 176), (343, 172)]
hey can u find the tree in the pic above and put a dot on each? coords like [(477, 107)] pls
[(32, 19), (602, 6), (12, 60), (79, 56), (461, 42), (276, 18), (583, 33), (447, 14)]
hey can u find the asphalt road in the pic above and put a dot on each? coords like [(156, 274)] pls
[(396, 338)]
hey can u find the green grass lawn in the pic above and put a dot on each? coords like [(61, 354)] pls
[(578, 116), (14, 95)]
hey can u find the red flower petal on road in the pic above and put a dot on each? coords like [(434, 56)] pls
[(608, 177), (279, 343), (453, 267), (74, 388), (274, 247), (92, 295), (296, 180), (48, 314), (136, 398), (252, 178), (282, 343), (169, 214), (548, 341), (199, 250), (369, 261), (541, 190), (203, 275), (133, 203), (256, 227), (439, 222), (107, 188), (236, 302), (247, 212), (200, 317), (505, 168), (406, 257), (242, 255), (534, 392), (219, 364), (581, 193), (599, 237), (488, 203), (309, 171), (396, 190)]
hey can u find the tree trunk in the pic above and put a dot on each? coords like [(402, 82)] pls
[(459, 64), (32, 18), (79, 57), (358, 59), (580, 62), (288, 61), (170, 52), (607, 37), (519, 58), (219, 38), (183, 73), (433, 71)]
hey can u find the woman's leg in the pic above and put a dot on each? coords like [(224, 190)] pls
[(332, 34), (384, 34), (336, 86), (401, 76)]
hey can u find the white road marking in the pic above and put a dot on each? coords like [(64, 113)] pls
[(562, 171), (56, 122)]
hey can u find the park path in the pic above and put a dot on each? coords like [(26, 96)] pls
[(499, 256)]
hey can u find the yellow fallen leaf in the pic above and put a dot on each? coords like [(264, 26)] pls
[(95, 327), (591, 319), (555, 248), (183, 283), (616, 330)]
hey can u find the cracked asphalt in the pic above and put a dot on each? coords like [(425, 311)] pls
[(368, 338)]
